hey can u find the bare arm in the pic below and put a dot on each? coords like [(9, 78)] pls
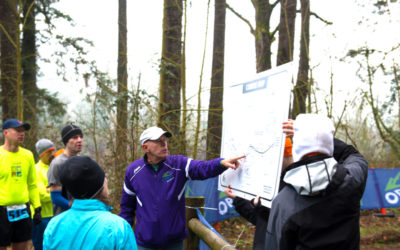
[(55, 188)]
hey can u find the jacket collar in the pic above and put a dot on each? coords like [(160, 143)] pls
[(305, 160), (314, 175), (145, 158), (90, 205)]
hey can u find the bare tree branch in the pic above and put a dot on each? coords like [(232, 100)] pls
[(320, 18), (272, 35), (274, 4), (252, 30)]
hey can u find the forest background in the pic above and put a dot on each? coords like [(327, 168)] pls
[(117, 67)]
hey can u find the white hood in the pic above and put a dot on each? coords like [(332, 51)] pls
[(310, 179)]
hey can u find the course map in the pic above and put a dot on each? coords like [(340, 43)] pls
[(252, 126)]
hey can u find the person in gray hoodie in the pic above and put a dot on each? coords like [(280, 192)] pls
[(318, 205)]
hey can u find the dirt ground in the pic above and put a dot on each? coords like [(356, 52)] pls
[(376, 232)]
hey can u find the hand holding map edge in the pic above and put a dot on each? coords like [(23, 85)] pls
[(232, 163), (229, 193), (288, 128)]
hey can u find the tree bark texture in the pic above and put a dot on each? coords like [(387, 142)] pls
[(122, 98), (302, 88), (263, 38), (286, 31), (170, 78), (214, 126), (8, 64), (29, 69), (182, 140)]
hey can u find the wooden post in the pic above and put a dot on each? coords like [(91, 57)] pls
[(192, 241), (208, 236)]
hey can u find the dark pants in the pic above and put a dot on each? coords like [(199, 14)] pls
[(37, 233)]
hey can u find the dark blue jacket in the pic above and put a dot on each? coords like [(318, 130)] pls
[(158, 198)]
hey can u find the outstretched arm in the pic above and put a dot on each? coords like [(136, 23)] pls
[(200, 170), (232, 163)]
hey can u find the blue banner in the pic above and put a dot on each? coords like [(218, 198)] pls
[(217, 205), (382, 191)]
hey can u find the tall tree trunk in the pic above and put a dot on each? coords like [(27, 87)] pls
[(286, 31), (263, 37), (135, 121), (182, 141), (302, 88), (170, 78), (122, 99), (198, 118), (214, 127), (28, 63), (9, 59)]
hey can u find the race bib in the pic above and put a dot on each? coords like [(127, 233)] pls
[(17, 212)]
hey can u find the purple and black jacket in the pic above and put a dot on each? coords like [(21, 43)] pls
[(158, 198)]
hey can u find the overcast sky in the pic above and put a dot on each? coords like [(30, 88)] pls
[(96, 20)]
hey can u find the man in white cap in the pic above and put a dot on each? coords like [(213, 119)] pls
[(154, 190), (45, 149), (318, 206)]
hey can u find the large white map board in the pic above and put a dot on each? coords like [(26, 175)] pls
[(252, 126)]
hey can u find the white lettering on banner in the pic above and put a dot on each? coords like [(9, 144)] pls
[(229, 201), (393, 197), (222, 208), (224, 205)]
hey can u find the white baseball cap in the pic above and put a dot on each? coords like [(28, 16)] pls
[(153, 133)]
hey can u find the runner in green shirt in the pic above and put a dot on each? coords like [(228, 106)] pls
[(45, 149), (17, 187)]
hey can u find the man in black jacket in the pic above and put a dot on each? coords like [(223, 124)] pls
[(318, 206)]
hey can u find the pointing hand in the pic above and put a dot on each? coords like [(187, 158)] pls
[(232, 163)]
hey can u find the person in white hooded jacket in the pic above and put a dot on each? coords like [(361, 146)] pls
[(318, 205)]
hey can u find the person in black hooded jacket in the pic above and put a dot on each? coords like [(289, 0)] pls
[(318, 206)]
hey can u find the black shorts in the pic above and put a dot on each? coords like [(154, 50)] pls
[(18, 231)]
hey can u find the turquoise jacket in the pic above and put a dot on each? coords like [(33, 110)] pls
[(88, 225)]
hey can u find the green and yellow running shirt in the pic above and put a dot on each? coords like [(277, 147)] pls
[(18, 178), (44, 192)]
